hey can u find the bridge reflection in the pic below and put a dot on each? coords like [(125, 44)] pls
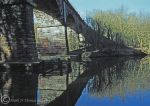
[(58, 84)]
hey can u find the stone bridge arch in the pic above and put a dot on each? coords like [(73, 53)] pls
[(73, 39), (71, 22), (49, 28), (47, 18), (50, 7), (80, 28)]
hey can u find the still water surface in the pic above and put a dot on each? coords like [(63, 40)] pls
[(99, 82), (125, 84)]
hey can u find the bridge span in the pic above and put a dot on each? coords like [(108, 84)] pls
[(38, 28)]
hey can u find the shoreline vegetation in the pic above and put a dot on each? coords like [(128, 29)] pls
[(126, 34)]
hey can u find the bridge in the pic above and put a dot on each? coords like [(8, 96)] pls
[(41, 27)]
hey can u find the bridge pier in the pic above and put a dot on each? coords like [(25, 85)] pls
[(26, 47), (19, 26)]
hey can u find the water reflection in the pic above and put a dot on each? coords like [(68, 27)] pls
[(100, 82), (37, 85), (124, 84)]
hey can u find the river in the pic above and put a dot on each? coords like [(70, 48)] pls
[(107, 81)]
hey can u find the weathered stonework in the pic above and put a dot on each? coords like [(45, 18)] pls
[(32, 24), (18, 28)]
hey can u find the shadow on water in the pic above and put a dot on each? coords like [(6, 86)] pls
[(62, 84)]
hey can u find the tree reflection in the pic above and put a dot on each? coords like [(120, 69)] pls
[(63, 82), (122, 78)]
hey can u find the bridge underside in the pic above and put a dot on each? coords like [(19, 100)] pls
[(49, 27), (35, 29)]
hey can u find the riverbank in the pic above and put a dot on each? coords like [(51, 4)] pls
[(109, 48), (126, 51)]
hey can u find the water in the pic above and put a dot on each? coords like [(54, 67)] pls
[(125, 84), (99, 82)]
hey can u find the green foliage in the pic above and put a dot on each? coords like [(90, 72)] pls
[(132, 28)]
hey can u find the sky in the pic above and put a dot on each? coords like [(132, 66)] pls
[(84, 6)]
